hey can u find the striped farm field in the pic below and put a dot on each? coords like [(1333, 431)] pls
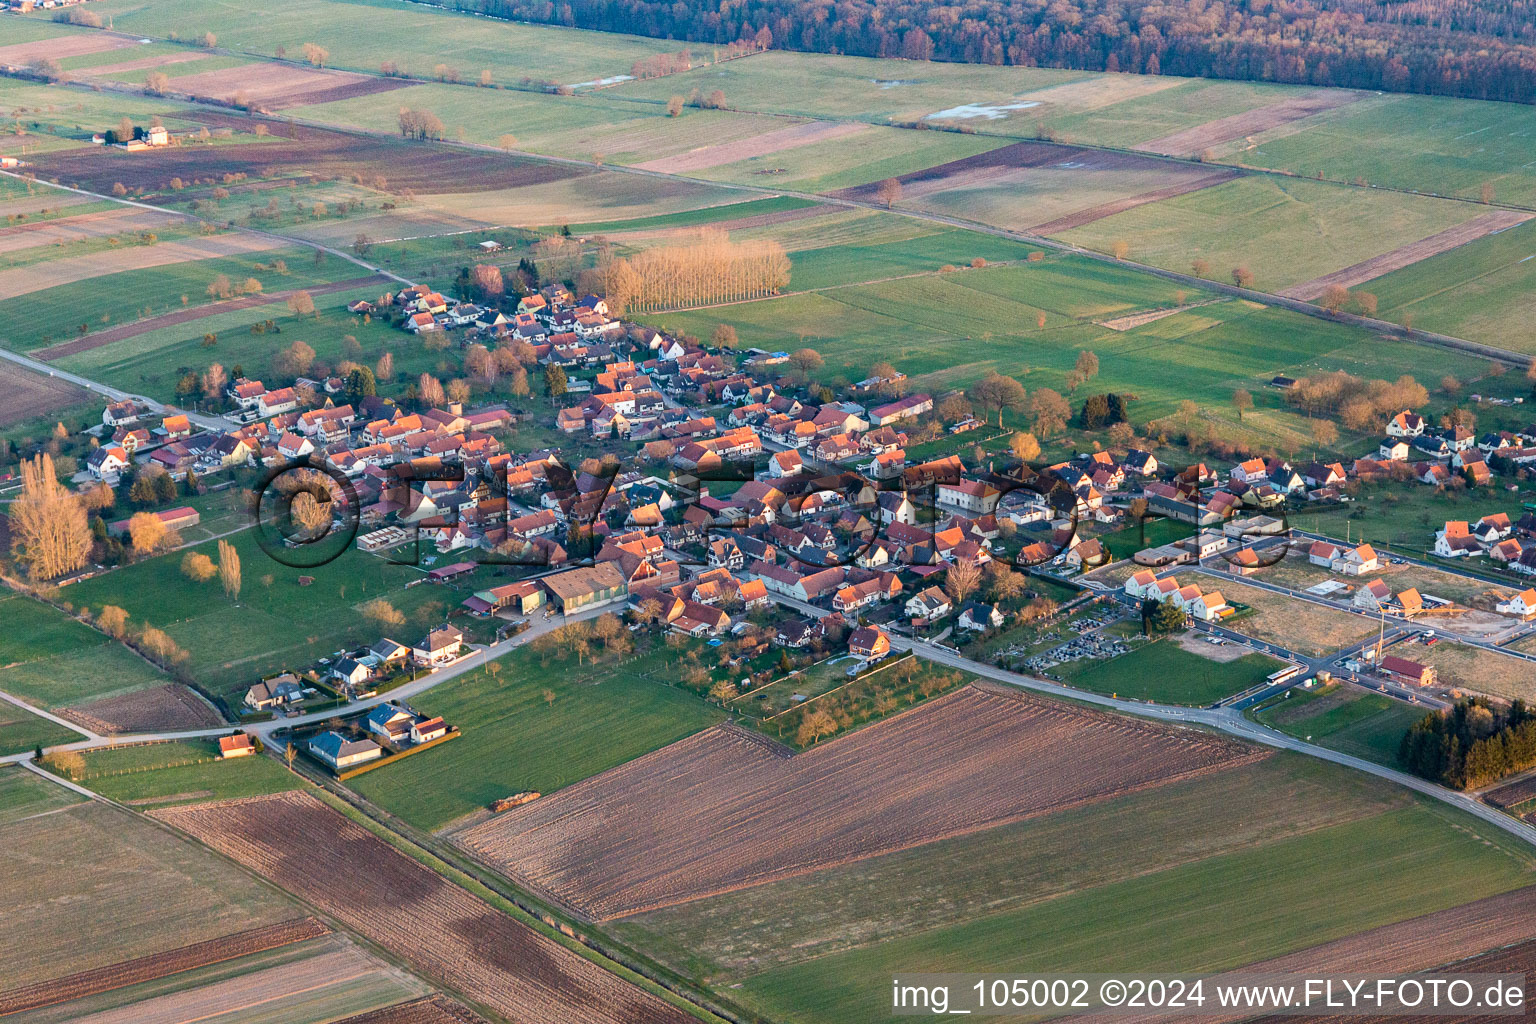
[(652, 833)]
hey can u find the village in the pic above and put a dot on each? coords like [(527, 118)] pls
[(758, 510)]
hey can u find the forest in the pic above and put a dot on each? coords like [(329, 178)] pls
[(1472, 744), (1468, 48)]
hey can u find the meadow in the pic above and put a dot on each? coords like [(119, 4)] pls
[(52, 660), (23, 794), (576, 126), (152, 363), (930, 328), (1406, 516), (52, 315), (1167, 673), (134, 887), (1345, 718), (1424, 143), (277, 623), (1235, 907), (1283, 230), (361, 34), (514, 738), (1476, 291), (180, 772), (21, 731)]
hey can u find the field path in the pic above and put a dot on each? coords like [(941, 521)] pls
[(181, 316), (1193, 141), (1413, 252)]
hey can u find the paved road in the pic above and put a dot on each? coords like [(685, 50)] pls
[(113, 394), (265, 730)]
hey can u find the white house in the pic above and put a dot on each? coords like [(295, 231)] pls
[(339, 753), (1522, 605), (1405, 424)]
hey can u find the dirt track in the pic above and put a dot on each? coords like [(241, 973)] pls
[(437, 929), (1423, 249), (181, 316), (716, 812), (1194, 141), (776, 141)]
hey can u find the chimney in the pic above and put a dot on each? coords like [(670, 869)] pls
[(457, 408)]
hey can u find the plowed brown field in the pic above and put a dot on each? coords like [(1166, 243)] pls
[(776, 141), (24, 394), (436, 928), (168, 707), (294, 148), (148, 968), (717, 812), (277, 86)]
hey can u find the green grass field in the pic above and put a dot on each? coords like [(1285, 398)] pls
[(949, 330), (130, 884), (54, 661), (569, 126), (1476, 291), (23, 794), (857, 88), (277, 623), (1167, 673), (164, 773), (513, 740), (1429, 143), (1285, 231), (151, 363), (1232, 908), (53, 315), (360, 34), (1347, 719)]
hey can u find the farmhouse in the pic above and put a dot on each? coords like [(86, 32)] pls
[(338, 753)]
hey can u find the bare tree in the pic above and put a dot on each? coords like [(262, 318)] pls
[(960, 581), (49, 528), (229, 570), (888, 192)]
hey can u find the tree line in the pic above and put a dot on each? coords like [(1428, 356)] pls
[(1473, 744), (1467, 48), (706, 268)]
